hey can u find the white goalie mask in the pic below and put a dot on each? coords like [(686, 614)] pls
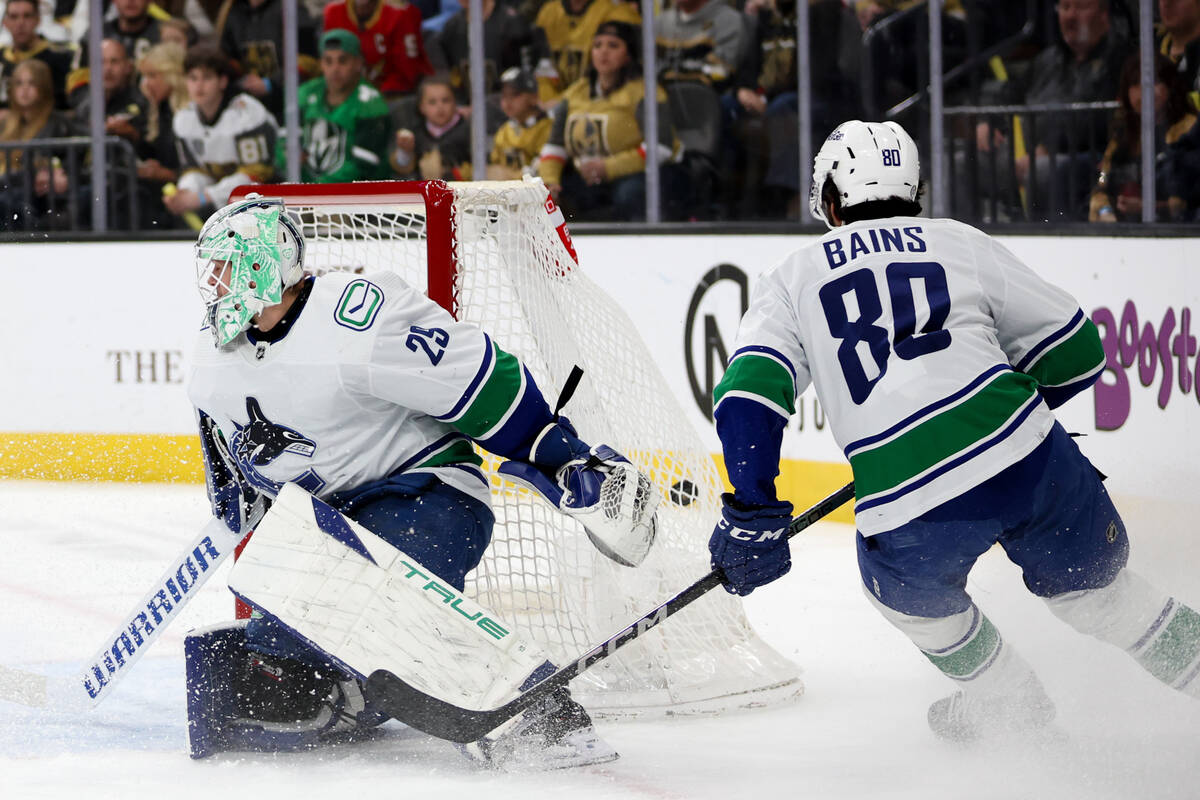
[(866, 161), (246, 255)]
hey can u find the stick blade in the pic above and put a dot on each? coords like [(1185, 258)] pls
[(26, 688), (429, 714)]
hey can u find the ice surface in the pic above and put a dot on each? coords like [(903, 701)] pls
[(76, 556)]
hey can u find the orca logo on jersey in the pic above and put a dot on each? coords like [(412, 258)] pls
[(260, 441)]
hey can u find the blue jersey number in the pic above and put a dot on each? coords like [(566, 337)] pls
[(432, 340), (905, 341)]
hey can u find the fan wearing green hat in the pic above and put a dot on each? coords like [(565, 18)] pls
[(344, 120)]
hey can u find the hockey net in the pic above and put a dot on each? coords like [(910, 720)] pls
[(497, 255)]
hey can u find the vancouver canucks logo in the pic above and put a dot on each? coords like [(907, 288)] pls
[(260, 442)]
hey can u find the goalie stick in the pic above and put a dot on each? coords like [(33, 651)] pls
[(445, 720), (140, 628)]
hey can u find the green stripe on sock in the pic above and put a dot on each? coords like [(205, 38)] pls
[(493, 400), (761, 376), (941, 436), (1175, 648), (966, 660)]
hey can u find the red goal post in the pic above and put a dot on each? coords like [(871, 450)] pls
[(498, 254)]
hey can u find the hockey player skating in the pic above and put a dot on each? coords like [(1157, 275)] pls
[(937, 356), (368, 395)]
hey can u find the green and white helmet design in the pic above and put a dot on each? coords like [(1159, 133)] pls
[(246, 255)]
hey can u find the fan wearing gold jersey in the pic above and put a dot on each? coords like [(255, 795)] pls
[(595, 160), (569, 26)]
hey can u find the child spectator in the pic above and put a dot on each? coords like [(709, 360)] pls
[(21, 21), (344, 119), (178, 31), (441, 145), (598, 129), (225, 140), (1118, 193), (31, 116), (519, 141), (508, 41), (165, 90), (390, 37)]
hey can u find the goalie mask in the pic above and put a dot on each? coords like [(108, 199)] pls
[(866, 161), (246, 255)]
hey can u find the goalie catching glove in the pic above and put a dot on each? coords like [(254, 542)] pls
[(611, 498)]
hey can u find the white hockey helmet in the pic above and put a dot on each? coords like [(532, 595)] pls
[(866, 161), (246, 255)]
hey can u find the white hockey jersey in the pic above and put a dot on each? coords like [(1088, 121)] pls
[(933, 351), (235, 149), (371, 379)]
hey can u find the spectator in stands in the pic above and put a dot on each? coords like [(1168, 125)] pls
[(700, 40), (124, 106), (761, 130), (226, 138), (1118, 192), (31, 116), (21, 21), (389, 34), (508, 41), (164, 87), (1180, 41), (1084, 65), (135, 27), (519, 142), (568, 27), (343, 117), (440, 147), (594, 162), (178, 31), (435, 14), (253, 38)]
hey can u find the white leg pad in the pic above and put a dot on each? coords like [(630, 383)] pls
[(369, 606), (1162, 634)]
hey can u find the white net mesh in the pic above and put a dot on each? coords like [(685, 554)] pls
[(515, 279)]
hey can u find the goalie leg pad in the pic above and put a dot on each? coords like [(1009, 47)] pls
[(367, 606), (243, 700)]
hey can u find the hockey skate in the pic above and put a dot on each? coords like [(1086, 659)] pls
[(966, 718), (555, 733)]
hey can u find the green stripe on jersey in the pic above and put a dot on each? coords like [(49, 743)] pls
[(966, 661), (761, 376), (458, 451), (1071, 359), (495, 398), (936, 438), (1175, 648)]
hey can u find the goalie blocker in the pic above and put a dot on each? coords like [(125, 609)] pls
[(366, 606)]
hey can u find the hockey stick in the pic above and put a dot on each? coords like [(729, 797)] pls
[(456, 724), (140, 629)]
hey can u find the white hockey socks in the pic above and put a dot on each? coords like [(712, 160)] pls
[(1162, 634), (999, 695)]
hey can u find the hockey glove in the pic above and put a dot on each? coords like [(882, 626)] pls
[(613, 501), (750, 544), (234, 501)]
